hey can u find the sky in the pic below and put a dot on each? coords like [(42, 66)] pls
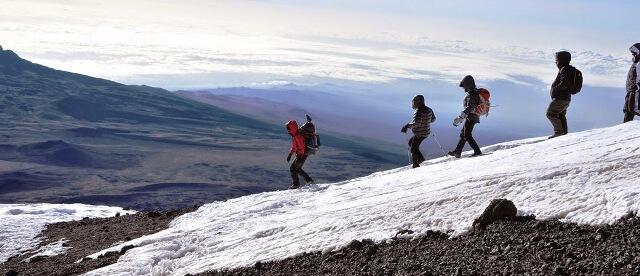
[(206, 44)]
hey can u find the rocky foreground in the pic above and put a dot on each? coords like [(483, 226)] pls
[(509, 246), (516, 246), (86, 237)]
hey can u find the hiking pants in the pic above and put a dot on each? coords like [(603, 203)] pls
[(629, 106), (557, 114), (466, 135), (296, 169), (416, 155)]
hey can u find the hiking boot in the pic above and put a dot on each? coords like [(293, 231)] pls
[(555, 135), (477, 153), (417, 160), (310, 181), (294, 186), (455, 154)]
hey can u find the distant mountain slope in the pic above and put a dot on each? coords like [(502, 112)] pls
[(65, 137), (588, 177), (371, 116), (331, 116), (345, 113)]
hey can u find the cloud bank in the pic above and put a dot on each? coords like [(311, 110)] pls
[(197, 44)]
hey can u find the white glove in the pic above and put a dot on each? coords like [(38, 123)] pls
[(457, 121)]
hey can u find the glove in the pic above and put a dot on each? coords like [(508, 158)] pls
[(404, 128), (308, 117), (289, 158), (457, 121)]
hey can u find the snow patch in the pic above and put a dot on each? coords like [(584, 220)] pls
[(588, 177), (52, 249), (20, 224)]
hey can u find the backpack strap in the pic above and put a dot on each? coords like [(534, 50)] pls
[(635, 74)]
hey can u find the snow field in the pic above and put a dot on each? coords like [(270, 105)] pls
[(20, 224), (588, 177)]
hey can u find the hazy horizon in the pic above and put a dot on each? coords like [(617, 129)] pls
[(385, 51), (198, 44)]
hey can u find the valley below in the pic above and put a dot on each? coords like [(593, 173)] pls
[(70, 138)]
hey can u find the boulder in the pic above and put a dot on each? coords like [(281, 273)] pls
[(498, 209)]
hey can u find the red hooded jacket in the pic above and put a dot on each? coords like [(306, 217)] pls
[(297, 140)]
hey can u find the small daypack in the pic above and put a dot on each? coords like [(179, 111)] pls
[(311, 138), (635, 104), (485, 102), (576, 84)]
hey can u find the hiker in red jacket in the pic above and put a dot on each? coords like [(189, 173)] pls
[(299, 147)]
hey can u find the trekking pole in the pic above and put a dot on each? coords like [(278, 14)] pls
[(438, 142), (408, 147)]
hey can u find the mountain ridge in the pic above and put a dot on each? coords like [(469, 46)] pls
[(91, 140)]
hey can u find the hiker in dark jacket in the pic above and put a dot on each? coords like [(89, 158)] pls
[(299, 148), (633, 85), (561, 94), (421, 128), (469, 116)]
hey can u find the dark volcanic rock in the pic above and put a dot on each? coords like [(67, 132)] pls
[(498, 209), (16, 181), (510, 246), (57, 152), (86, 237)]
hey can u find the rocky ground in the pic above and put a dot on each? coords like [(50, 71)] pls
[(86, 237), (516, 246), (509, 246)]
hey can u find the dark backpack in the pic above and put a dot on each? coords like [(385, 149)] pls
[(311, 139), (576, 84)]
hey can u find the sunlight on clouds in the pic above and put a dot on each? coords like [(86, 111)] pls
[(144, 40)]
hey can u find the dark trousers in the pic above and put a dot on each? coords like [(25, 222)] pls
[(557, 114), (296, 169), (629, 105), (466, 135), (414, 146), (628, 116)]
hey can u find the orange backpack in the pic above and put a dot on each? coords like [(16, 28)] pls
[(485, 103)]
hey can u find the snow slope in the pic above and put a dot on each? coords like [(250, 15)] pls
[(588, 177), (21, 223)]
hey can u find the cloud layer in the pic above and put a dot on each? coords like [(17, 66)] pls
[(232, 44)]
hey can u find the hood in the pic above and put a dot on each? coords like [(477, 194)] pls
[(292, 127), (418, 99), (635, 49), (468, 83), (564, 58), (418, 102)]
